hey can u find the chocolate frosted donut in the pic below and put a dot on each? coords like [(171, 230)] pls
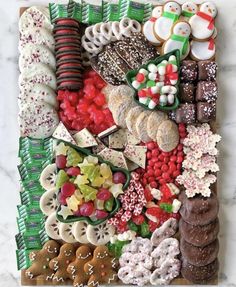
[(199, 275), (199, 256), (199, 235), (199, 210)]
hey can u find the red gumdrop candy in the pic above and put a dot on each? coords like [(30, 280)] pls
[(68, 189), (139, 219), (153, 225), (61, 161), (89, 91), (100, 100), (119, 177), (62, 199), (166, 193), (100, 214), (142, 93), (87, 208), (103, 194), (77, 213), (98, 117), (73, 171), (150, 145), (122, 226), (148, 195)]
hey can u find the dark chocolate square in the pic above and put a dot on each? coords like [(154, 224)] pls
[(188, 71), (186, 92), (186, 113), (207, 91), (206, 112), (207, 70)]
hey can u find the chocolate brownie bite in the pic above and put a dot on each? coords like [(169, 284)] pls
[(206, 112), (186, 92), (199, 256), (207, 70), (199, 275), (186, 113), (188, 71), (207, 91)]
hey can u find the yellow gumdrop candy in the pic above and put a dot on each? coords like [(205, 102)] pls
[(61, 149), (79, 195), (73, 203), (108, 183), (81, 179), (105, 171), (98, 181), (116, 189), (92, 159)]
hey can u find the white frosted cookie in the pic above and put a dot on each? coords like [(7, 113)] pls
[(36, 36), (37, 93), (132, 118), (34, 17), (37, 120), (32, 54), (153, 122), (141, 126), (38, 74), (188, 10), (167, 136), (148, 31), (203, 50)]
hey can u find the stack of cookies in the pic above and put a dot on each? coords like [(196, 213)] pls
[(68, 54), (199, 228)]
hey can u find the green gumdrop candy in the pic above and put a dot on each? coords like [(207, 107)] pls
[(132, 226), (109, 204), (166, 207), (73, 158), (87, 169), (144, 230), (118, 247), (151, 84), (88, 192), (62, 177), (95, 174)]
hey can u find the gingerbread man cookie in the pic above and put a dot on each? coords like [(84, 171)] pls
[(40, 261), (102, 268), (163, 25), (179, 39), (75, 268), (189, 9), (202, 23), (60, 263)]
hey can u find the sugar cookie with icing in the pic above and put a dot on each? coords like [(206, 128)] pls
[(189, 9), (163, 25), (179, 39), (203, 50), (202, 23)]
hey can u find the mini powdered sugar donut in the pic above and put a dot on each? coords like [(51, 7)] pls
[(179, 39), (37, 120), (37, 36), (188, 10), (202, 23), (163, 25), (37, 93), (38, 74), (203, 50), (32, 54), (34, 17)]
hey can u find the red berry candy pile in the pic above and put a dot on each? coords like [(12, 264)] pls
[(87, 107), (163, 167)]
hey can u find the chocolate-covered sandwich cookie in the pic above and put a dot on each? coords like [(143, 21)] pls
[(199, 235), (199, 210), (199, 256)]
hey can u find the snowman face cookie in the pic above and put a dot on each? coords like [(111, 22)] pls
[(157, 11), (172, 7), (209, 8), (189, 7), (182, 29)]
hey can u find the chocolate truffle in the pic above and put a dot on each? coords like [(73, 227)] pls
[(188, 71), (207, 70), (201, 274), (207, 91), (186, 92), (199, 235), (199, 210), (186, 113), (206, 112), (199, 256)]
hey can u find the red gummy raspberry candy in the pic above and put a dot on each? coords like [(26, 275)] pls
[(139, 219)]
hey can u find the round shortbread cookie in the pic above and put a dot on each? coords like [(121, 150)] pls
[(132, 118), (167, 136), (34, 17), (33, 54), (38, 120), (120, 112), (118, 94), (141, 126), (38, 74), (154, 121), (36, 36), (37, 93)]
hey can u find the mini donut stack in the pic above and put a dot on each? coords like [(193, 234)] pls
[(199, 228), (68, 54)]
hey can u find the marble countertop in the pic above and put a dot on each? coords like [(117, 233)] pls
[(9, 10)]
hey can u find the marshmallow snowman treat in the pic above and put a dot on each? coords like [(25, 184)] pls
[(188, 10), (202, 23), (163, 25), (179, 39), (149, 25)]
